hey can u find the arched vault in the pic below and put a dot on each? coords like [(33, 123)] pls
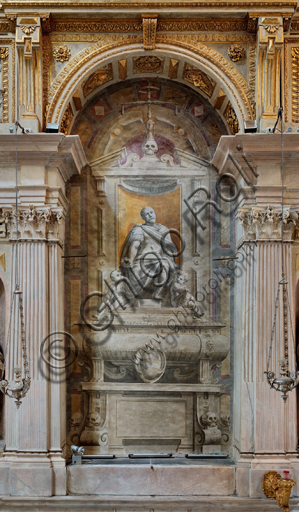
[(115, 58)]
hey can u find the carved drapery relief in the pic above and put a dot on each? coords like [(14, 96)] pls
[(34, 223), (265, 223)]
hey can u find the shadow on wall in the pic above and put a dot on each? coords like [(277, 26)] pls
[(2, 344)]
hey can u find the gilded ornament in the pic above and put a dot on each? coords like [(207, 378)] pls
[(295, 88), (149, 24), (271, 28), (236, 52), (231, 119), (3, 53), (61, 53), (199, 79), (28, 29), (148, 64), (66, 120), (280, 488), (97, 79)]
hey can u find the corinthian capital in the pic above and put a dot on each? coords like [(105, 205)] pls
[(265, 223), (34, 223)]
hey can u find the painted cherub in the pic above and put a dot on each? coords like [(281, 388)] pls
[(118, 295), (180, 296)]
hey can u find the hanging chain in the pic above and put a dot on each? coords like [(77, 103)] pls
[(24, 351), (273, 327), (290, 313), (285, 325)]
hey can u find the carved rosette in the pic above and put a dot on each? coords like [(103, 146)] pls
[(61, 53), (236, 52), (34, 224), (262, 223)]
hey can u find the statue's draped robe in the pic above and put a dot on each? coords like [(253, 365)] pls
[(154, 263)]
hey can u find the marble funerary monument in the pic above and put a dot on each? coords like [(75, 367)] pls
[(146, 242)]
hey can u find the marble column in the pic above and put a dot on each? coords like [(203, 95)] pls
[(33, 462), (265, 433)]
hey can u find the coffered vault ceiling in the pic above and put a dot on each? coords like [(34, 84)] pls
[(113, 117)]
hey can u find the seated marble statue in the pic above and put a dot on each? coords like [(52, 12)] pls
[(148, 257)]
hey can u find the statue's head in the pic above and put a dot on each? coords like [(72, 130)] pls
[(148, 215)]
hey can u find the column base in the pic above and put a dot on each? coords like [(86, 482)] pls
[(250, 472), (30, 474)]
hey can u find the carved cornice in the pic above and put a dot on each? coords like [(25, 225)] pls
[(260, 223), (56, 5), (38, 224), (163, 25)]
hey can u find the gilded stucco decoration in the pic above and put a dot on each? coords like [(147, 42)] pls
[(3, 53), (28, 29), (62, 86), (271, 25), (231, 119), (66, 120), (199, 79), (149, 24), (148, 64), (236, 52), (98, 78), (295, 84), (61, 53)]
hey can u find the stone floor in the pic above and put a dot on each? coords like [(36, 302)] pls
[(141, 504)]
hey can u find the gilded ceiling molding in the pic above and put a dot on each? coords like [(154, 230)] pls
[(46, 49), (5, 81), (295, 84), (232, 4), (149, 25), (231, 119), (205, 38), (252, 74), (7, 26), (163, 25), (96, 79), (84, 62)]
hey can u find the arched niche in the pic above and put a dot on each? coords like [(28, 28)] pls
[(114, 117)]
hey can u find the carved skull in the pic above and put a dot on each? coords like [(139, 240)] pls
[(225, 420), (76, 419), (209, 420), (93, 420), (149, 147)]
